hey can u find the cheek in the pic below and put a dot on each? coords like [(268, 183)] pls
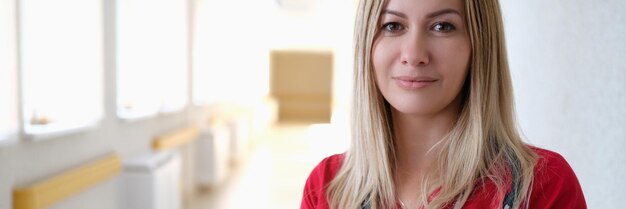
[(462, 64), (380, 60), (455, 60)]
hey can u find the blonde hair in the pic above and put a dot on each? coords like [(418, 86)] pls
[(484, 144)]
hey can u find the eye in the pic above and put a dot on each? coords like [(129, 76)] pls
[(444, 27), (392, 27)]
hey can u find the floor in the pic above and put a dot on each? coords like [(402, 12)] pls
[(276, 169)]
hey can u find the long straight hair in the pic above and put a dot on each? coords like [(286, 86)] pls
[(484, 144)]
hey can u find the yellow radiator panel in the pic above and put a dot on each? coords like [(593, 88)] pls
[(49, 191), (176, 138)]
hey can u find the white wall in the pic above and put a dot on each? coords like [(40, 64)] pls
[(569, 74), (231, 49)]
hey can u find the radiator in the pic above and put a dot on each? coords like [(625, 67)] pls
[(212, 156), (152, 181), (240, 138)]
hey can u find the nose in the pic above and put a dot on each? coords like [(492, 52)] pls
[(415, 52)]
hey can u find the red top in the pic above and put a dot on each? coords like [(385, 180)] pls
[(555, 185)]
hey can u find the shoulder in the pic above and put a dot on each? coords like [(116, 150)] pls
[(328, 167), (555, 184), (314, 194), (551, 165)]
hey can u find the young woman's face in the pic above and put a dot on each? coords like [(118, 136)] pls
[(421, 54)]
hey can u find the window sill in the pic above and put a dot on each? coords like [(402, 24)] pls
[(49, 131), (133, 116), (172, 110)]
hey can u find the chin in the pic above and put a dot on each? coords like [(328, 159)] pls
[(415, 109)]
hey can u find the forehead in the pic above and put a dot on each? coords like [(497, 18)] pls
[(419, 8)]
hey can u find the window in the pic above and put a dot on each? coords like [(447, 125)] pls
[(231, 57), (152, 57), (61, 62), (8, 76)]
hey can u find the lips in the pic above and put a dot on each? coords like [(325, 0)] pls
[(414, 82)]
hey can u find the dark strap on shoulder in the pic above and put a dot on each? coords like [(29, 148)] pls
[(509, 198)]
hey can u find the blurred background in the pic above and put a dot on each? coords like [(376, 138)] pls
[(200, 104)]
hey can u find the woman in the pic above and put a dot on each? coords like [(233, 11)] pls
[(433, 122)]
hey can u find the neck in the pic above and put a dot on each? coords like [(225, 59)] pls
[(416, 137)]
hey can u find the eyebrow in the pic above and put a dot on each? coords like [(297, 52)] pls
[(431, 15)]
